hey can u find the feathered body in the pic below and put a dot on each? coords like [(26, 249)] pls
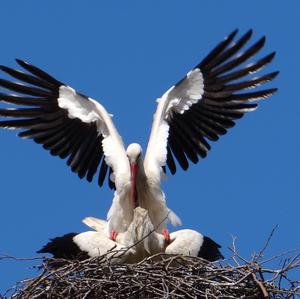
[(192, 113), (149, 196), (139, 241), (131, 246)]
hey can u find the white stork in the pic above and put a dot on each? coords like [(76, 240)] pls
[(85, 245), (89, 244), (198, 109), (191, 243), (185, 242), (139, 241), (130, 246), (140, 235)]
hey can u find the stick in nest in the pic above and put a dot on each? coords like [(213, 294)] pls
[(154, 277)]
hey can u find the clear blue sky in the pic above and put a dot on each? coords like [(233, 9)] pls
[(126, 54)]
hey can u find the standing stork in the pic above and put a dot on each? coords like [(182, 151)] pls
[(197, 109)]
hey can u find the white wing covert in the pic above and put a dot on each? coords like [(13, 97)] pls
[(205, 104), (97, 224), (67, 123)]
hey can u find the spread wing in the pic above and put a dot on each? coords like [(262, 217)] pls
[(205, 104), (67, 123)]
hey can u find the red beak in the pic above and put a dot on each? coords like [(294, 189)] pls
[(134, 170)]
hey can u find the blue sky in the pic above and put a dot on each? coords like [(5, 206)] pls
[(126, 54)]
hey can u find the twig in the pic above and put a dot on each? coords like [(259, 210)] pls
[(161, 276), (260, 254)]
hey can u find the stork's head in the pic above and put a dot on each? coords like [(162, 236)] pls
[(134, 153)]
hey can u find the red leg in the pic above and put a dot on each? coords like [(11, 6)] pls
[(113, 235), (166, 234)]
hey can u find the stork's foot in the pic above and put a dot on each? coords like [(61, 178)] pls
[(113, 235), (166, 234)]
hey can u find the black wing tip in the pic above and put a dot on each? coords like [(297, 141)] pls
[(100, 184), (23, 135), (273, 75), (247, 35), (21, 62), (59, 244), (4, 68), (249, 32), (44, 249), (210, 250), (263, 39), (173, 171), (271, 56), (36, 71), (80, 175), (271, 91), (268, 92), (260, 43), (89, 178), (232, 34), (24, 64)]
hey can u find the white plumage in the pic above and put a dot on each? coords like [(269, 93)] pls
[(199, 108), (186, 241), (142, 232), (139, 241), (131, 246), (96, 244)]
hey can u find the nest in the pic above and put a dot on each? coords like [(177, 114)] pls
[(162, 276)]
